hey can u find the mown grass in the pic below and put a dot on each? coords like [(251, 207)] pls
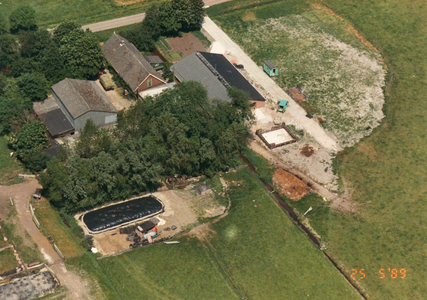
[(9, 169), (3, 243), (387, 171), (52, 225), (254, 252), (50, 13), (7, 260)]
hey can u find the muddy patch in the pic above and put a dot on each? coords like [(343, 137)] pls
[(290, 185)]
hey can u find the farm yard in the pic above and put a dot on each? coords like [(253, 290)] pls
[(343, 82)]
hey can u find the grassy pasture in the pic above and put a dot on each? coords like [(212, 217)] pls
[(254, 252), (50, 13), (7, 260), (386, 171), (52, 225)]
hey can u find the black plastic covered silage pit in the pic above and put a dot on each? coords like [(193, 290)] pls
[(114, 215)]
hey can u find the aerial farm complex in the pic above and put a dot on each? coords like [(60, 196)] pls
[(217, 149)]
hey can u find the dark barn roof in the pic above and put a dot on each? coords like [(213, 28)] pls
[(81, 96), (53, 148), (128, 62), (270, 65), (52, 117), (216, 73)]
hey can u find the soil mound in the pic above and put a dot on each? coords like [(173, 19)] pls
[(290, 185)]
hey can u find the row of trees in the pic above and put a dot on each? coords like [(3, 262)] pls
[(169, 19), (179, 132)]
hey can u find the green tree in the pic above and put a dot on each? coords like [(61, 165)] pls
[(36, 160), (93, 140), (54, 181), (52, 64), (82, 54), (196, 13), (8, 51), (64, 29), (32, 43), (22, 18), (23, 65), (3, 24), (31, 136), (33, 85), (241, 104), (13, 103)]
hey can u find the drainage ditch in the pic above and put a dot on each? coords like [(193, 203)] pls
[(293, 216)]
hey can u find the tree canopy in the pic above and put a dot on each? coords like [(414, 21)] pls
[(33, 85), (22, 18), (181, 131), (31, 136)]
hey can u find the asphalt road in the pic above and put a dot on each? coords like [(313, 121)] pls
[(124, 21)]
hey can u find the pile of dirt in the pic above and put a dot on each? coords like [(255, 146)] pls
[(290, 185), (307, 150)]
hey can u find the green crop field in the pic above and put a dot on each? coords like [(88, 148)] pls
[(52, 12), (386, 171), (255, 252)]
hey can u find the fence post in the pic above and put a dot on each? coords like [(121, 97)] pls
[(34, 217)]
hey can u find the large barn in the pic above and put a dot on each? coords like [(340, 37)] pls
[(216, 74), (130, 64), (81, 100)]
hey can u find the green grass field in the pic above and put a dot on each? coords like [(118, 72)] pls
[(255, 252), (386, 171), (53, 226), (7, 260), (9, 169), (51, 12)]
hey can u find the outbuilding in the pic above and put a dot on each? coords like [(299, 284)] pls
[(270, 68), (81, 100)]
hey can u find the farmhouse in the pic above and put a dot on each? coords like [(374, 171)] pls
[(216, 74), (130, 64)]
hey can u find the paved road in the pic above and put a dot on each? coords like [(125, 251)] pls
[(294, 110), (124, 21), (105, 25)]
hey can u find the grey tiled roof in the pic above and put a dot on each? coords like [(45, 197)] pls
[(81, 96), (128, 62), (192, 68), (270, 65)]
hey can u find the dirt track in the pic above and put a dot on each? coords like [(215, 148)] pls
[(21, 194)]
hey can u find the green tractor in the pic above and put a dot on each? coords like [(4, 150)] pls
[(282, 105)]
